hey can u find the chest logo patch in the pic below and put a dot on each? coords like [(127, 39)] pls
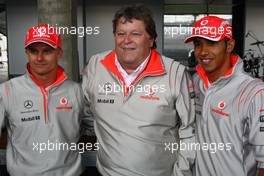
[(221, 105), (63, 104), (28, 104), (63, 101), (219, 110), (150, 95), (204, 22)]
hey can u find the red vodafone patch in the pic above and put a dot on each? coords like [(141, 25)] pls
[(63, 101), (221, 105), (63, 104)]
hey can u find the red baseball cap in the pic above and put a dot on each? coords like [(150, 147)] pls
[(43, 33), (211, 28)]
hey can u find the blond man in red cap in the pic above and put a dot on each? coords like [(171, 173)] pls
[(229, 105), (42, 110)]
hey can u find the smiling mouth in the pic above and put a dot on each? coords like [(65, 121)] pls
[(128, 49), (40, 65), (205, 61)]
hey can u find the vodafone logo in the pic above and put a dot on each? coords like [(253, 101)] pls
[(204, 22), (224, 23), (221, 105), (63, 101), (63, 104)]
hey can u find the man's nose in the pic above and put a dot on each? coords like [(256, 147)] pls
[(204, 50), (40, 56), (127, 38)]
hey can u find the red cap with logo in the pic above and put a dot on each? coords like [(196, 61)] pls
[(43, 33), (211, 28)]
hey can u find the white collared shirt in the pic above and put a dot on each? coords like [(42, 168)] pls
[(129, 78)]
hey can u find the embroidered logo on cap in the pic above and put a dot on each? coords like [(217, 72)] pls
[(204, 22)]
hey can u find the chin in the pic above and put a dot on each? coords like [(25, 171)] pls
[(127, 60), (41, 72), (209, 70)]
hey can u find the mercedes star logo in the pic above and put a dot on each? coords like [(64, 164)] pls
[(28, 104)]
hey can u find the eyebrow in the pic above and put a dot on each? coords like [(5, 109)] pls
[(32, 49)]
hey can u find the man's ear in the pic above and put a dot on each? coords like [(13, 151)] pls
[(60, 53), (230, 45), (151, 43), (26, 51)]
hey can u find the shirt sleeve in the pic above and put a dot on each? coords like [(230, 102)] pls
[(185, 109), (2, 107), (256, 125), (87, 124)]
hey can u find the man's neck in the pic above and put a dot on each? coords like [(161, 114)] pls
[(130, 68), (46, 80), (214, 76)]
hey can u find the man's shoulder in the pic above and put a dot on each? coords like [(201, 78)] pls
[(247, 86), (248, 81), (169, 63), (16, 80), (252, 89), (94, 62), (95, 59), (99, 56), (166, 59), (196, 77), (13, 83), (259, 84), (71, 84)]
